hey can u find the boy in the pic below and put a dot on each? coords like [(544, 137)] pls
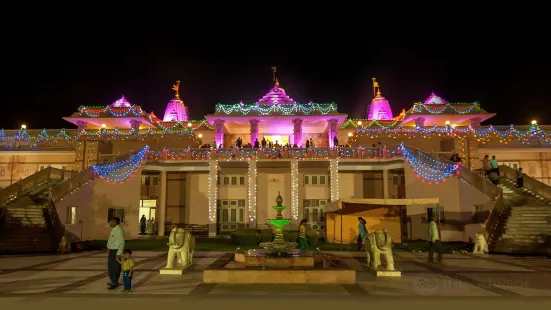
[(520, 179), (127, 270)]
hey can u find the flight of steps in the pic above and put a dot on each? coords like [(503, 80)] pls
[(525, 223), (24, 226)]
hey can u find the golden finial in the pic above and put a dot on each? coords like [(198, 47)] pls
[(176, 88), (277, 82), (376, 89), (274, 70)]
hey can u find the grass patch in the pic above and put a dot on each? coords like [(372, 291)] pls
[(212, 244)]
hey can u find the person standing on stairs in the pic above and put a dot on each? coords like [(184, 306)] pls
[(115, 247), (486, 165), (494, 164), (520, 178)]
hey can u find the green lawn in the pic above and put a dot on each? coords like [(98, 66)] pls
[(207, 244)]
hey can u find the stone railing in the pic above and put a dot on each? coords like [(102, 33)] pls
[(19, 188), (493, 228), (274, 153), (537, 187)]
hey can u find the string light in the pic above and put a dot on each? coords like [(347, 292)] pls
[(334, 175), (428, 169), (283, 109), (252, 190), (121, 171), (294, 189), (213, 189)]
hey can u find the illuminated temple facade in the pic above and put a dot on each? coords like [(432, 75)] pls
[(129, 163)]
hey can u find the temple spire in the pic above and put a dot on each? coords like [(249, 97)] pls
[(274, 70), (176, 88), (276, 82)]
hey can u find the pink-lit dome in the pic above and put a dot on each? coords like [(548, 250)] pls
[(379, 109), (175, 111), (434, 99), (276, 95), (121, 103)]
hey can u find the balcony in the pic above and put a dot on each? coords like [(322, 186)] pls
[(356, 153)]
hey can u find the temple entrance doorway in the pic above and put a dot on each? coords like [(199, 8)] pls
[(148, 208), (282, 140)]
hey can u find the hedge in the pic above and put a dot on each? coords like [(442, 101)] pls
[(251, 236)]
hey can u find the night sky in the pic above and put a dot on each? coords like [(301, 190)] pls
[(498, 57)]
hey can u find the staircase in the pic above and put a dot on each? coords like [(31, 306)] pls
[(525, 222), (27, 222), (28, 217)]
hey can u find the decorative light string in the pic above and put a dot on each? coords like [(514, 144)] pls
[(428, 169), (294, 190), (282, 109), (15, 138), (121, 171), (334, 177), (252, 190), (213, 189)]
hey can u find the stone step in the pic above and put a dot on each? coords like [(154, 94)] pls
[(538, 220)]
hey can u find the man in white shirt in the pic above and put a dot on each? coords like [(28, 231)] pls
[(434, 241), (115, 247)]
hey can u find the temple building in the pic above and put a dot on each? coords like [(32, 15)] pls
[(394, 170)]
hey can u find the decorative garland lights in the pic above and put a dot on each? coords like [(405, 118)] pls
[(283, 109), (461, 108), (294, 189), (112, 111), (213, 190), (428, 169), (22, 137), (252, 190), (483, 135), (121, 171), (334, 176)]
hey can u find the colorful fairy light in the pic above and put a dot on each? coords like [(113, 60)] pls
[(121, 171), (334, 176), (283, 109), (429, 169)]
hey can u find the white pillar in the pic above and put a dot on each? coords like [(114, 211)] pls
[(161, 212), (252, 193), (294, 189), (386, 194), (213, 190), (334, 174)]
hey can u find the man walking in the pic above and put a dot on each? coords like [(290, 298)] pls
[(115, 247), (434, 241)]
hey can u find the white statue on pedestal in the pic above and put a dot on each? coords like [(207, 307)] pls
[(379, 243), (480, 244), (64, 245), (181, 244)]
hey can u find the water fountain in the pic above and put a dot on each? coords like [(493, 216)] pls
[(279, 246), (279, 262)]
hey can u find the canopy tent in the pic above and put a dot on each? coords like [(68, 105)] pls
[(341, 217)]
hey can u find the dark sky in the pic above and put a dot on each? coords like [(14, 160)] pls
[(55, 61)]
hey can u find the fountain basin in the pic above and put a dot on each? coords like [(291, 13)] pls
[(261, 258), (232, 268)]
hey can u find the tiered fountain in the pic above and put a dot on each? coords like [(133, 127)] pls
[(279, 262), (279, 246)]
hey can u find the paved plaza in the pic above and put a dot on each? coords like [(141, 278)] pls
[(83, 276)]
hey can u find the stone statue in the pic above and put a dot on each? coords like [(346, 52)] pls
[(181, 244), (64, 245), (379, 243), (480, 244)]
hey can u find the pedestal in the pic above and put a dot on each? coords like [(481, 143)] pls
[(178, 270), (384, 273)]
